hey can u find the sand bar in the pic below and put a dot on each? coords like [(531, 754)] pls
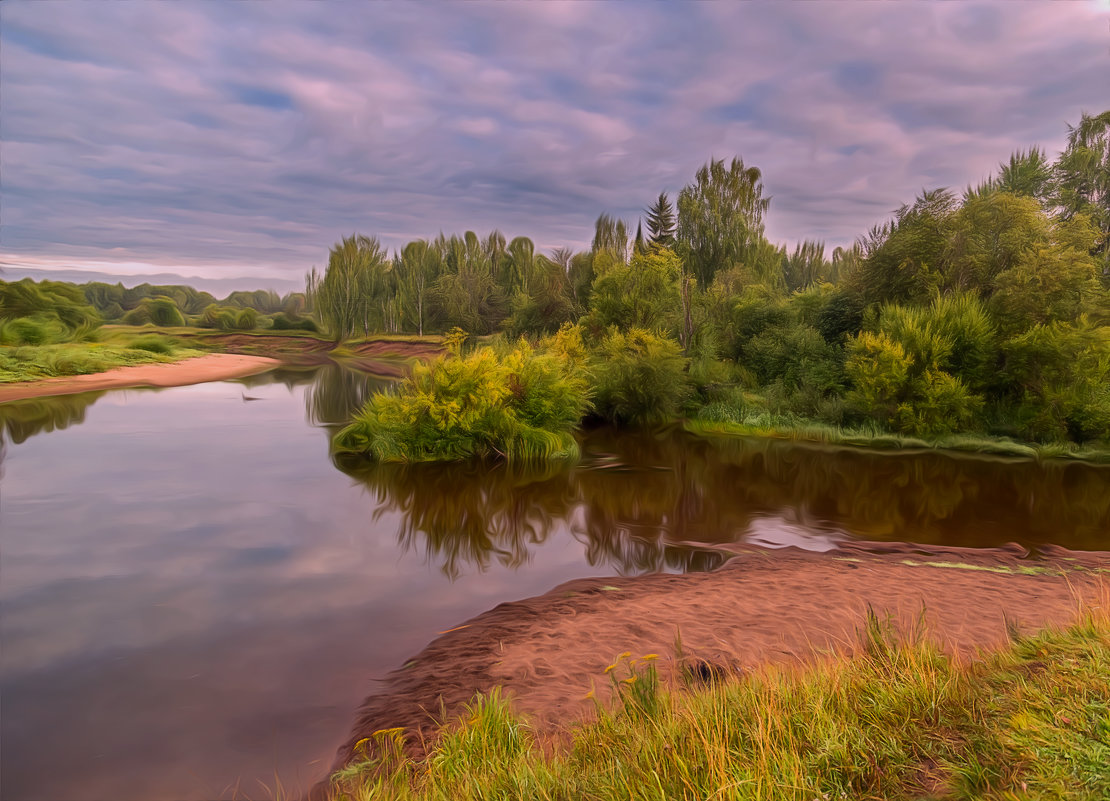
[(762, 606), (211, 367)]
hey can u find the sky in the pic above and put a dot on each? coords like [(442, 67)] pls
[(244, 139)]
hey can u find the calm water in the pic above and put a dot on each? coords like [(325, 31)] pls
[(195, 599)]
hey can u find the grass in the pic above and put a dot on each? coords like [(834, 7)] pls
[(34, 362), (768, 425), (899, 720)]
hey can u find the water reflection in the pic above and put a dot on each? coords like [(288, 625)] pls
[(636, 502), (22, 419)]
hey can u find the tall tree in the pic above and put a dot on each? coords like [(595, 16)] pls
[(661, 221), (342, 297), (720, 217), (806, 266), (1083, 178), (903, 258), (1027, 173), (417, 267), (611, 235)]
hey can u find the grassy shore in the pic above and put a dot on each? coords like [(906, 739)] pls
[(895, 721), (122, 346), (873, 438), (34, 362)]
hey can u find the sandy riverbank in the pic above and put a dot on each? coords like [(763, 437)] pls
[(762, 607), (211, 367)]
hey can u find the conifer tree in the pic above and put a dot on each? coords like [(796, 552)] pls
[(661, 221)]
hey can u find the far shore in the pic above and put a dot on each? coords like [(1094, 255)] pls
[(210, 367)]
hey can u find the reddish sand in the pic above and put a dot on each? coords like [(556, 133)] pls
[(761, 607), (212, 367)]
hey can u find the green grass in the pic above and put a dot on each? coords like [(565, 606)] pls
[(34, 362), (769, 425), (896, 721)]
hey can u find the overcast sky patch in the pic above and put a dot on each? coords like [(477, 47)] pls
[(245, 139)]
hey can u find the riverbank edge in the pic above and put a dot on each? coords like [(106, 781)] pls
[(192, 370), (899, 718), (818, 435), (763, 607)]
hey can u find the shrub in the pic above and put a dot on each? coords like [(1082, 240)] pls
[(285, 322), (640, 378), (153, 344), (24, 331), (524, 405)]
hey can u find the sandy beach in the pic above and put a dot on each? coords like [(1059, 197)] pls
[(211, 367), (762, 606)]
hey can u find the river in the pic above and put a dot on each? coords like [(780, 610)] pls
[(195, 597)]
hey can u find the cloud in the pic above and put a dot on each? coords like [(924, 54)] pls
[(247, 139)]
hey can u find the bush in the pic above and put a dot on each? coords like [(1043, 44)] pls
[(153, 344), (524, 405), (284, 322), (24, 331), (640, 378)]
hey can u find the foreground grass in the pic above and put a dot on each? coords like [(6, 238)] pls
[(894, 722), (34, 362), (825, 434)]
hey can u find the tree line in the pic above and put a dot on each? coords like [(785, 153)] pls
[(983, 311), (43, 312)]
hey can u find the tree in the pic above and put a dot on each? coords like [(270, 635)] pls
[(661, 222), (341, 297), (1027, 173), (988, 235), (417, 268), (610, 235), (720, 218), (902, 259), (1083, 178), (806, 266), (545, 303), (643, 293)]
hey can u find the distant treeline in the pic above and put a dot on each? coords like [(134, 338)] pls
[(986, 312), (37, 313)]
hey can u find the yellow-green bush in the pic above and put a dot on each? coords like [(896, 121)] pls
[(524, 405)]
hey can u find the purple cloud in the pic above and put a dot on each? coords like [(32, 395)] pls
[(246, 139)]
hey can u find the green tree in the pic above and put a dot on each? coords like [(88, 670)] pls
[(467, 293), (661, 222), (806, 266), (342, 297), (903, 259), (720, 218), (545, 304), (1051, 281), (643, 293), (989, 234), (1027, 174), (611, 235), (1083, 179), (417, 268), (1058, 377)]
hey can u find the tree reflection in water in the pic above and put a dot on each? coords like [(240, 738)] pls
[(20, 420)]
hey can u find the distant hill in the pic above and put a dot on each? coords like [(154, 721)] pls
[(219, 287)]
